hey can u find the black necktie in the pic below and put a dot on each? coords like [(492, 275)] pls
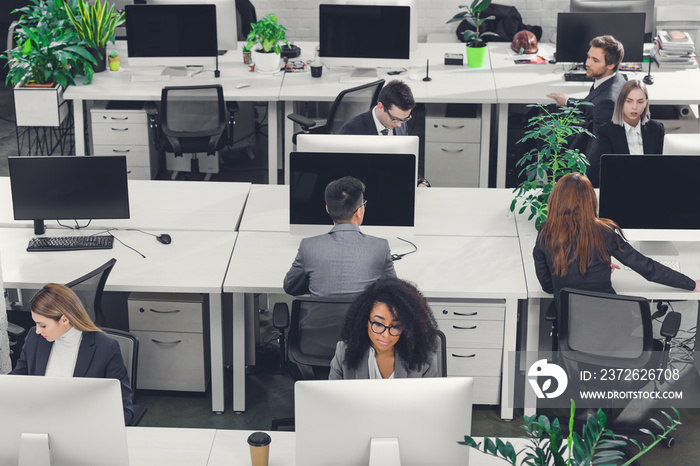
[(385, 131)]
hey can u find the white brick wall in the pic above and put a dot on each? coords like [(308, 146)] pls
[(300, 17)]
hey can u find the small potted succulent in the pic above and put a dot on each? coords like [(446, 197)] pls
[(114, 59), (264, 41), (476, 46)]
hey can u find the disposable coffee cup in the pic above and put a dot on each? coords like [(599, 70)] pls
[(316, 71), (259, 448)]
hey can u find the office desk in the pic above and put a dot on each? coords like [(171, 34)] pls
[(158, 205), (117, 85), (449, 84), (530, 84), (195, 262), (439, 211), (444, 267)]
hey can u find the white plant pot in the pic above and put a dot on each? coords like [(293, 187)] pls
[(266, 62), (39, 106)]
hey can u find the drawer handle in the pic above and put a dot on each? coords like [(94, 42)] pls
[(463, 356), (452, 127), (465, 314), (453, 151), (121, 151), (120, 118), (120, 129), (464, 328), (174, 311), (166, 342)]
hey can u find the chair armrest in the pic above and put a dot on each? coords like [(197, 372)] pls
[(232, 107), (302, 121), (153, 123), (672, 322), (15, 330), (280, 316)]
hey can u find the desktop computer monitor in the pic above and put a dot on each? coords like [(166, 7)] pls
[(338, 422), (390, 189), (646, 210), (620, 6), (575, 31), (226, 28), (68, 188), (344, 39), (76, 421), (171, 35), (361, 144)]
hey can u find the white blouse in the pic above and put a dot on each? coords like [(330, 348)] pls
[(374, 372), (64, 354), (634, 138)]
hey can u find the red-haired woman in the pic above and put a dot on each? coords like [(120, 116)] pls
[(574, 246)]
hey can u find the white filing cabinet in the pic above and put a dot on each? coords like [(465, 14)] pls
[(172, 329), (452, 147), (474, 334), (121, 128)]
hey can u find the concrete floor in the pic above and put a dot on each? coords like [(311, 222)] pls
[(270, 395)]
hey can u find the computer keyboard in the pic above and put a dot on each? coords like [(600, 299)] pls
[(580, 77), (150, 78), (69, 243)]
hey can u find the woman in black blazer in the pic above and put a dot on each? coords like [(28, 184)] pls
[(631, 130), (65, 342), (574, 247)]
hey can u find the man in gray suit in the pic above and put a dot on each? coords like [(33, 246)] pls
[(344, 261)]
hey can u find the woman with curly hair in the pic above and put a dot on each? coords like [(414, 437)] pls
[(389, 332)]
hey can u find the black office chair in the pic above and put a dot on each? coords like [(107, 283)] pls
[(194, 119), (442, 354), (129, 346), (89, 289), (348, 104)]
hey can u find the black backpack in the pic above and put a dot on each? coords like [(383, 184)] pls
[(507, 23)]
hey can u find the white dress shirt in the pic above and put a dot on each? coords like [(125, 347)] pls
[(380, 127), (600, 81), (64, 354), (634, 138), (374, 372)]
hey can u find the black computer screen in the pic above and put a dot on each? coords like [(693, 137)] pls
[(71, 187), (575, 31), (390, 182), (171, 31), (365, 31), (651, 192)]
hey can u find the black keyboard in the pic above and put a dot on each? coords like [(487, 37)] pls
[(70, 243), (581, 77)]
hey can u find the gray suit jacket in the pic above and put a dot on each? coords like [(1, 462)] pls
[(342, 262), (340, 370)]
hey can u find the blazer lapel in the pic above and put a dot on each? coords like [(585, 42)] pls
[(647, 142), (85, 354), (43, 351)]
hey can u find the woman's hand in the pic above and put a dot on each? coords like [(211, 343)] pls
[(614, 267), (697, 285)]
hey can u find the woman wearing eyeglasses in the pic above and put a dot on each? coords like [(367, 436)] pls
[(389, 332)]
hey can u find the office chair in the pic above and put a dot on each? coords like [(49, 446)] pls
[(129, 346), (89, 289), (601, 330), (348, 104), (194, 119)]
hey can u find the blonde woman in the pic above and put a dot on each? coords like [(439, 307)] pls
[(65, 343)]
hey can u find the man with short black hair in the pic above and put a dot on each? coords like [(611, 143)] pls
[(388, 117), (344, 261)]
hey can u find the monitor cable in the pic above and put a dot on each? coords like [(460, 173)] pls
[(396, 257), (110, 230), (77, 225)]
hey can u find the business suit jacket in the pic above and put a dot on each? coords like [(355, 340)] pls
[(598, 273), (99, 357), (612, 139), (342, 262), (340, 370), (363, 124)]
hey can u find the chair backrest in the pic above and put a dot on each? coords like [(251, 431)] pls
[(89, 289), (352, 102), (314, 330), (605, 329), (442, 354), (192, 111), (129, 346)]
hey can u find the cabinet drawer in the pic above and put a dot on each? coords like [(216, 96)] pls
[(474, 361), (487, 390), (452, 164), (442, 129), (473, 333), (120, 133), (136, 156), (181, 315), (486, 310), (172, 361), (102, 115)]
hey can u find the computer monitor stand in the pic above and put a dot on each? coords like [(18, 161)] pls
[(174, 71), (657, 248), (384, 452), (368, 73)]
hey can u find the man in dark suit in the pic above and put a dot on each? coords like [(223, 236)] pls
[(604, 57), (388, 117)]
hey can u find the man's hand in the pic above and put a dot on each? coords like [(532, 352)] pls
[(560, 98)]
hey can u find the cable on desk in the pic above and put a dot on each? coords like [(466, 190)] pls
[(77, 225), (396, 257), (109, 230)]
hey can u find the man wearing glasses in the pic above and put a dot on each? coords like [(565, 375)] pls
[(344, 261), (389, 117)]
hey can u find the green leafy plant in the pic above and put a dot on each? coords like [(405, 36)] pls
[(268, 33), (96, 23), (48, 48), (595, 445), (472, 14), (551, 159)]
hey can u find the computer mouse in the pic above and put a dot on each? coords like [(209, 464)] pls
[(164, 238), (242, 85)]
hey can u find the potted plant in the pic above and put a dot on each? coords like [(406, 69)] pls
[(596, 445), (550, 159), (49, 55), (476, 46), (267, 35), (96, 24)]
